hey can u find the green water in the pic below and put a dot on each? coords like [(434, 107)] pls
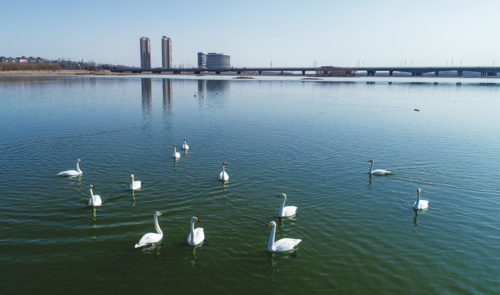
[(308, 139)]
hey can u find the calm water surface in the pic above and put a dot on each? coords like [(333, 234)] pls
[(308, 139)]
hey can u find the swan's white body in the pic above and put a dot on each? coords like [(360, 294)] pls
[(72, 172), (134, 184), (196, 236), (151, 238), (95, 200), (286, 210), (378, 171), (176, 154), (282, 245), (185, 146), (420, 204), (223, 175)]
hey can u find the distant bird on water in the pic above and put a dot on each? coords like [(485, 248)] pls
[(223, 175), (95, 200), (420, 204), (134, 184), (185, 146), (286, 210), (72, 172), (378, 171), (176, 154)]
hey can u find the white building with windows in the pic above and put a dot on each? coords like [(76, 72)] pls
[(214, 60)]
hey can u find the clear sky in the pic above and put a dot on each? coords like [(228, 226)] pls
[(258, 32)]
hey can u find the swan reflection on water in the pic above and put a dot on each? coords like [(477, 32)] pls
[(273, 270), (94, 217), (415, 221), (133, 198), (273, 264), (193, 254)]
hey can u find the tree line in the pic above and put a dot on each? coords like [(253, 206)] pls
[(12, 66)]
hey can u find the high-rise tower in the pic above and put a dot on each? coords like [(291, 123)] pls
[(145, 53), (166, 52)]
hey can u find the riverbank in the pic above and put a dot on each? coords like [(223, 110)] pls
[(63, 72)]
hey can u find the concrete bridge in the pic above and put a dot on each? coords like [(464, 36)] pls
[(324, 70), (420, 71)]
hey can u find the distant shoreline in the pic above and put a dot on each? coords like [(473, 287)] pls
[(63, 72), (241, 76)]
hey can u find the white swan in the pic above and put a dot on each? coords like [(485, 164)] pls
[(282, 245), (286, 210), (134, 184), (95, 200), (196, 236), (151, 238), (223, 175), (72, 172), (420, 204), (176, 154), (185, 146), (378, 171)]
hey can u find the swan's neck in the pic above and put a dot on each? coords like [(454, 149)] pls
[(418, 198), (223, 170), (131, 181), (270, 245), (282, 205), (91, 195), (371, 168), (157, 226), (192, 228), (175, 151), (78, 168)]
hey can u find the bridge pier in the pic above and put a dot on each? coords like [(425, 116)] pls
[(260, 72), (459, 73), (390, 73), (238, 72), (217, 72), (371, 73), (436, 73), (303, 73), (281, 72)]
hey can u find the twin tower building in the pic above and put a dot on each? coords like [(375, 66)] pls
[(205, 60)]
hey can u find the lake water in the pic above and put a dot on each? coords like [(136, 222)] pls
[(308, 139)]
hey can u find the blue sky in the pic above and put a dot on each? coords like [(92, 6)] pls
[(256, 33)]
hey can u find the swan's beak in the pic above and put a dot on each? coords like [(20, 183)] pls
[(198, 220), (268, 225)]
